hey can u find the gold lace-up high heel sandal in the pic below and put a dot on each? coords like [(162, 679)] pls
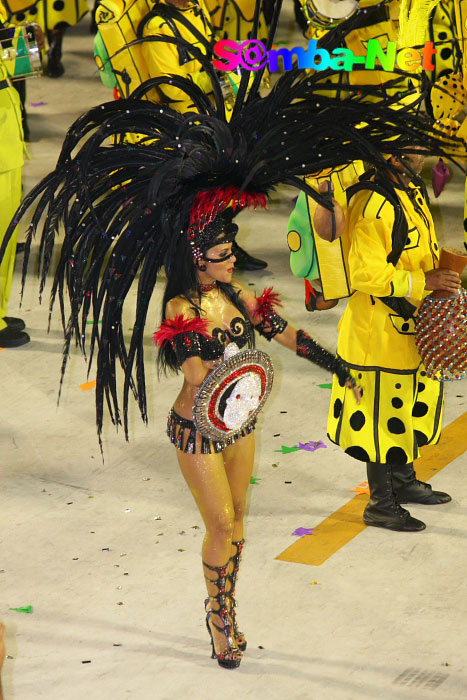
[(239, 636), (232, 656)]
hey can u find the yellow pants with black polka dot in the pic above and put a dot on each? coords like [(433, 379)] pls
[(400, 411)]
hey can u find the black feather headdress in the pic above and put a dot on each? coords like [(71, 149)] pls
[(125, 209)]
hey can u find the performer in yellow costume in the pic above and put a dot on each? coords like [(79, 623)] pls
[(54, 16), (392, 265), (11, 163), (165, 59), (233, 19)]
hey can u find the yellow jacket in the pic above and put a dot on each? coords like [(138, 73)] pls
[(167, 59), (370, 333)]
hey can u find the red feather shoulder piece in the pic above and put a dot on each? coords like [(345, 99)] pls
[(266, 302), (171, 327)]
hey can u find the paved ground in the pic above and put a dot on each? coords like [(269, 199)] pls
[(108, 554)]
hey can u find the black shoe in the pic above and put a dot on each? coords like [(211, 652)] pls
[(383, 510), (14, 324), (10, 338), (54, 68), (245, 261), (399, 520), (408, 489)]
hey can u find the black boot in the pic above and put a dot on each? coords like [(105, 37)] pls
[(54, 68), (408, 489), (383, 510), (245, 261)]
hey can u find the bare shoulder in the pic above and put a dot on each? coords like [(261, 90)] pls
[(178, 306), (246, 295)]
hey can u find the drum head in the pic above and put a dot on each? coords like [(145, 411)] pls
[(231, 397), (329, 13)]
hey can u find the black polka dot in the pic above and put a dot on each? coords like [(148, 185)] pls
[(446, 53), (398, 386), (442, 36), (337, 408), (20, 16), (358, 453), (360, 375), (357, 420), (420, 387), (342, 382), (420, 409), (423, 374), (405, 326), (58, 5), (33, 10), (396, 426), (396, 455), (421, 438), (397, 403), (465, 224)]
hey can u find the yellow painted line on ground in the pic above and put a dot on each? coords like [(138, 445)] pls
[(346, 523)]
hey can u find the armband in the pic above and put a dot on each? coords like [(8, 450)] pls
[(184, 335), (269, 322)]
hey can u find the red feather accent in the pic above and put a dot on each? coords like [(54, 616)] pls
[(209, 203), (171, 327), (266, 302)]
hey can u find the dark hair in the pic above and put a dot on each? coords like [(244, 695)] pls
[(182, 281)]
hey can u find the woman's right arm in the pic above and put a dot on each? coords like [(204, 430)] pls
[(186, 343)]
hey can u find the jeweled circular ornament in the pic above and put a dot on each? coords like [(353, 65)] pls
[(231, 397), (441, 336)]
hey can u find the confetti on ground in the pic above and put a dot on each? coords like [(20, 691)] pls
[(313, 583), (88, 661), (120, 603), (158, 517), (275, 465), (361, 489), (300, 531), (181, 550), (283, 411), (38, 104), (277, 435), (106, 549), (88, 385), (287, 482), (285, 449), (24, 609), (311, 446), (255, 480), (325, 386)]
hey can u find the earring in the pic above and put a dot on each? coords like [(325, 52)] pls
[(203, 268)]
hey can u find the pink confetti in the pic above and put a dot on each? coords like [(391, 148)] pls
[(37, 104), (439, 177)]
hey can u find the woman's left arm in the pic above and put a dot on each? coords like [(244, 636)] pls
[(269, 324)]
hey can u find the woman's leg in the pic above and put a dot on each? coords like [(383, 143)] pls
[(239, 460), (207, 479)]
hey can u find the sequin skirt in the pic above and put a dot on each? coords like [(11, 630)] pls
[(183, 434)]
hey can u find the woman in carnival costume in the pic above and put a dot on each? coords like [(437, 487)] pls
[(130, 209)]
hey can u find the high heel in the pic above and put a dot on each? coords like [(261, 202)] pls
[(231, 657), (241, 643)]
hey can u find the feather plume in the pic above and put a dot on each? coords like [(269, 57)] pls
[(266, 303), (170, 328)]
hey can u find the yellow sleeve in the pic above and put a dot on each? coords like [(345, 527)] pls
[(163, 59), (371, 242)]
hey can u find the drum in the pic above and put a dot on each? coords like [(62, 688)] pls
[(231, 397), (441, 330), (326, 14), (20, 53)]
